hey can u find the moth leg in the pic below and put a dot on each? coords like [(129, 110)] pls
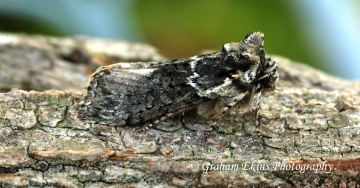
[(225, 104), (254, 102), (157, 121), (256, 115), (232, 102)]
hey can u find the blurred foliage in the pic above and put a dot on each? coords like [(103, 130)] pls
[(27, 24), (184, 28)]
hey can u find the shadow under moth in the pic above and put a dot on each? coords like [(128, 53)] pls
[(144, 92)]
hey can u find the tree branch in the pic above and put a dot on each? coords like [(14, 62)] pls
[(311, 121)]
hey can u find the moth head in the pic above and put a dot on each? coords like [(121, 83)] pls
[(247, 61), (252, 45), (246, 58), (254, 38)]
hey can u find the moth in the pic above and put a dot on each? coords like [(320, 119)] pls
[(144, 92)]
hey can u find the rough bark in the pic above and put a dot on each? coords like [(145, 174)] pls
[(312, 118)]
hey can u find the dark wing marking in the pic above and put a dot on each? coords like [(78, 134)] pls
[(128, 93)]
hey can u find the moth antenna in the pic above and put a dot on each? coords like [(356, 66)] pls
[(277, 89), (265, 76), (236, 75)]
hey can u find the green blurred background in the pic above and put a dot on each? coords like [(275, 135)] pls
[(323, 34)]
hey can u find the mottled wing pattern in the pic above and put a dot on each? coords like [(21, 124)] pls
[(122, 93)]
